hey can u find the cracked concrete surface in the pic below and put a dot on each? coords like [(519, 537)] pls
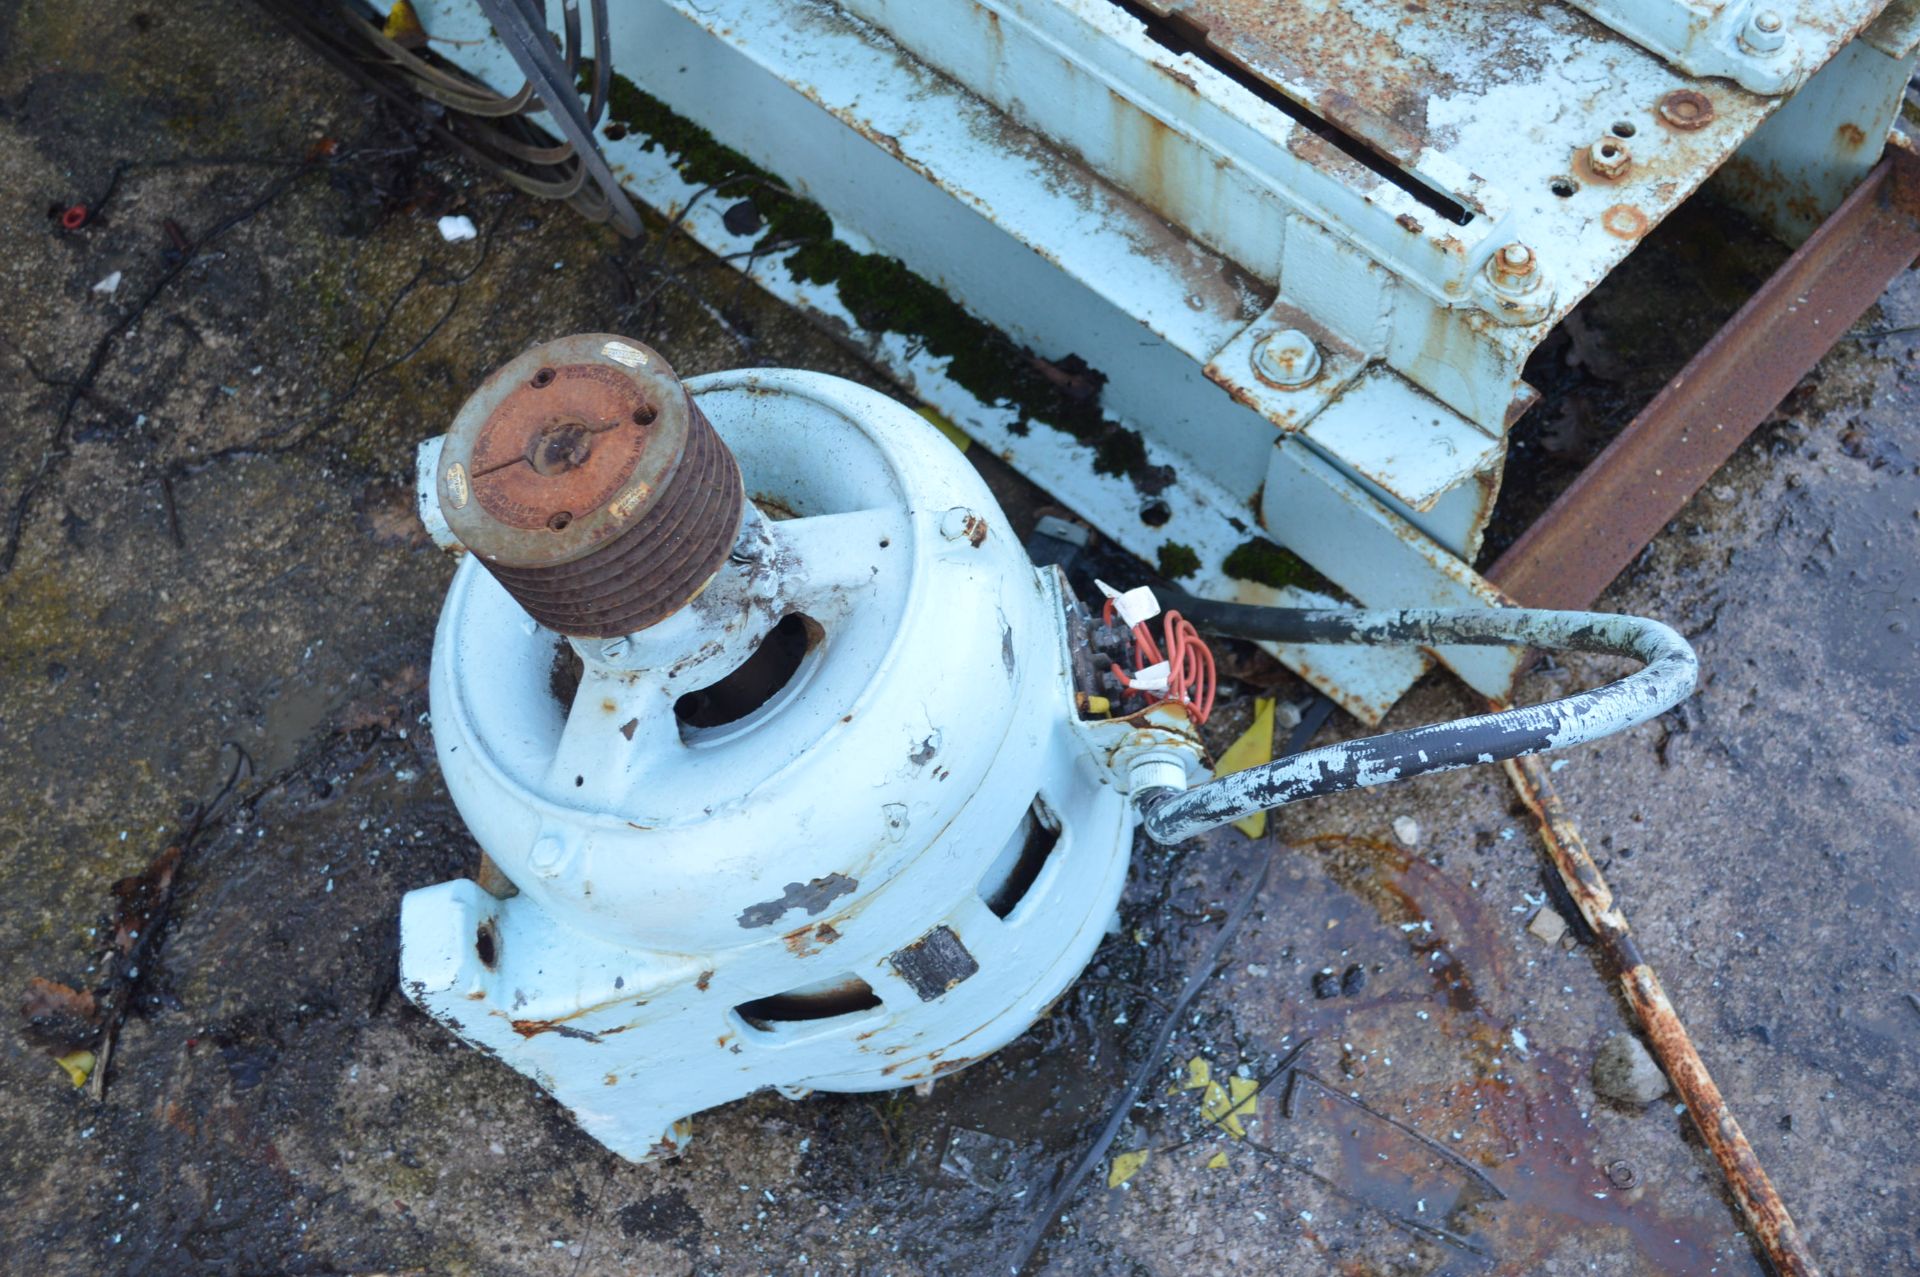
[(219, 546)]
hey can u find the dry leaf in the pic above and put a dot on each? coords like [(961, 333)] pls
[(59, 1017)]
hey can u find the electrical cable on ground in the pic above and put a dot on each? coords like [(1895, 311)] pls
[(1667, 678)]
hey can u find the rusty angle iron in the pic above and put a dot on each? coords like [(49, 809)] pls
[(1620, 502)]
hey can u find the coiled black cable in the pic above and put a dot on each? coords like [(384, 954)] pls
[(1668, 677)]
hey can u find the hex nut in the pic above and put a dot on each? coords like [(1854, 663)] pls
[(1286, 358), (1765, 32), (1609, 158), (1514, 270)]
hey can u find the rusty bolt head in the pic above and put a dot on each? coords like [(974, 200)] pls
[(1686, 109), (1764, 33), (1621, 1174), (1514, 270), (1609, 158), (1286, 358)]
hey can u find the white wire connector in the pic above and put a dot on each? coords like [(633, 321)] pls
[(1151, 679), (1133, 606)]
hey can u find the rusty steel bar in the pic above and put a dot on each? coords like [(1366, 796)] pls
[(1780, 1240), (1620, 502)]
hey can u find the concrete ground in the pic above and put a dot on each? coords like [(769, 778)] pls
[(216, 549)]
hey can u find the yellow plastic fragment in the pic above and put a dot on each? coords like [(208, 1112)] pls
[(403, 26), (1126, 1166), (1243, 1091), (945, 427), (79, 1066), (1253, 747), (1218, 1162), (1222, 1106)]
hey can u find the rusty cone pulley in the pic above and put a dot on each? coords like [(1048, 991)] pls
[(586, 481)]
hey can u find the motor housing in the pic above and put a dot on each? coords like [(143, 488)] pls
[(831, 822)]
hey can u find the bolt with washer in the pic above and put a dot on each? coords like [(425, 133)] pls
[(1609, 159), (1764, 33), (1513, 270), (1287, 358)]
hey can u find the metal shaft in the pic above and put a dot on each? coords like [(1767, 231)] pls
[(1760, 1204)]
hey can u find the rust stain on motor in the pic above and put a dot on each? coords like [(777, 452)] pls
[(601, 498)]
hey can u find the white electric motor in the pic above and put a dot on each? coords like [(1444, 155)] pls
[(819, 811)]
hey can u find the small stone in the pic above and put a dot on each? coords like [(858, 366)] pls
[(1548, 925), (1353, 980), (1407, 830), (1326, 984), (1624, 1072)]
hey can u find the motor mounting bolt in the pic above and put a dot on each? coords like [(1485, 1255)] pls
[(1765, 32), (1609, 158), (547, 855), (1286, 358), (1513, 270)]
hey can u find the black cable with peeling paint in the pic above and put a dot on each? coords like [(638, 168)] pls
[(1667, 678)]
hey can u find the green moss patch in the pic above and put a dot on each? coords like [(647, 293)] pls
[(1261, 561), (884, 295), (1177, 560)]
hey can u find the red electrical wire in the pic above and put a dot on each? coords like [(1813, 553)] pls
[(1190, 675)]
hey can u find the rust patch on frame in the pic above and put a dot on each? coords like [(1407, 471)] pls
[(1625, 221)]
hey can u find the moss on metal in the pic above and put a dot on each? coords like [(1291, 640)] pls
[(1177, 560), (881, 293), (1261, 561)]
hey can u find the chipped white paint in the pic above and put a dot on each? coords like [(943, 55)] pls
[(621, 353)]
